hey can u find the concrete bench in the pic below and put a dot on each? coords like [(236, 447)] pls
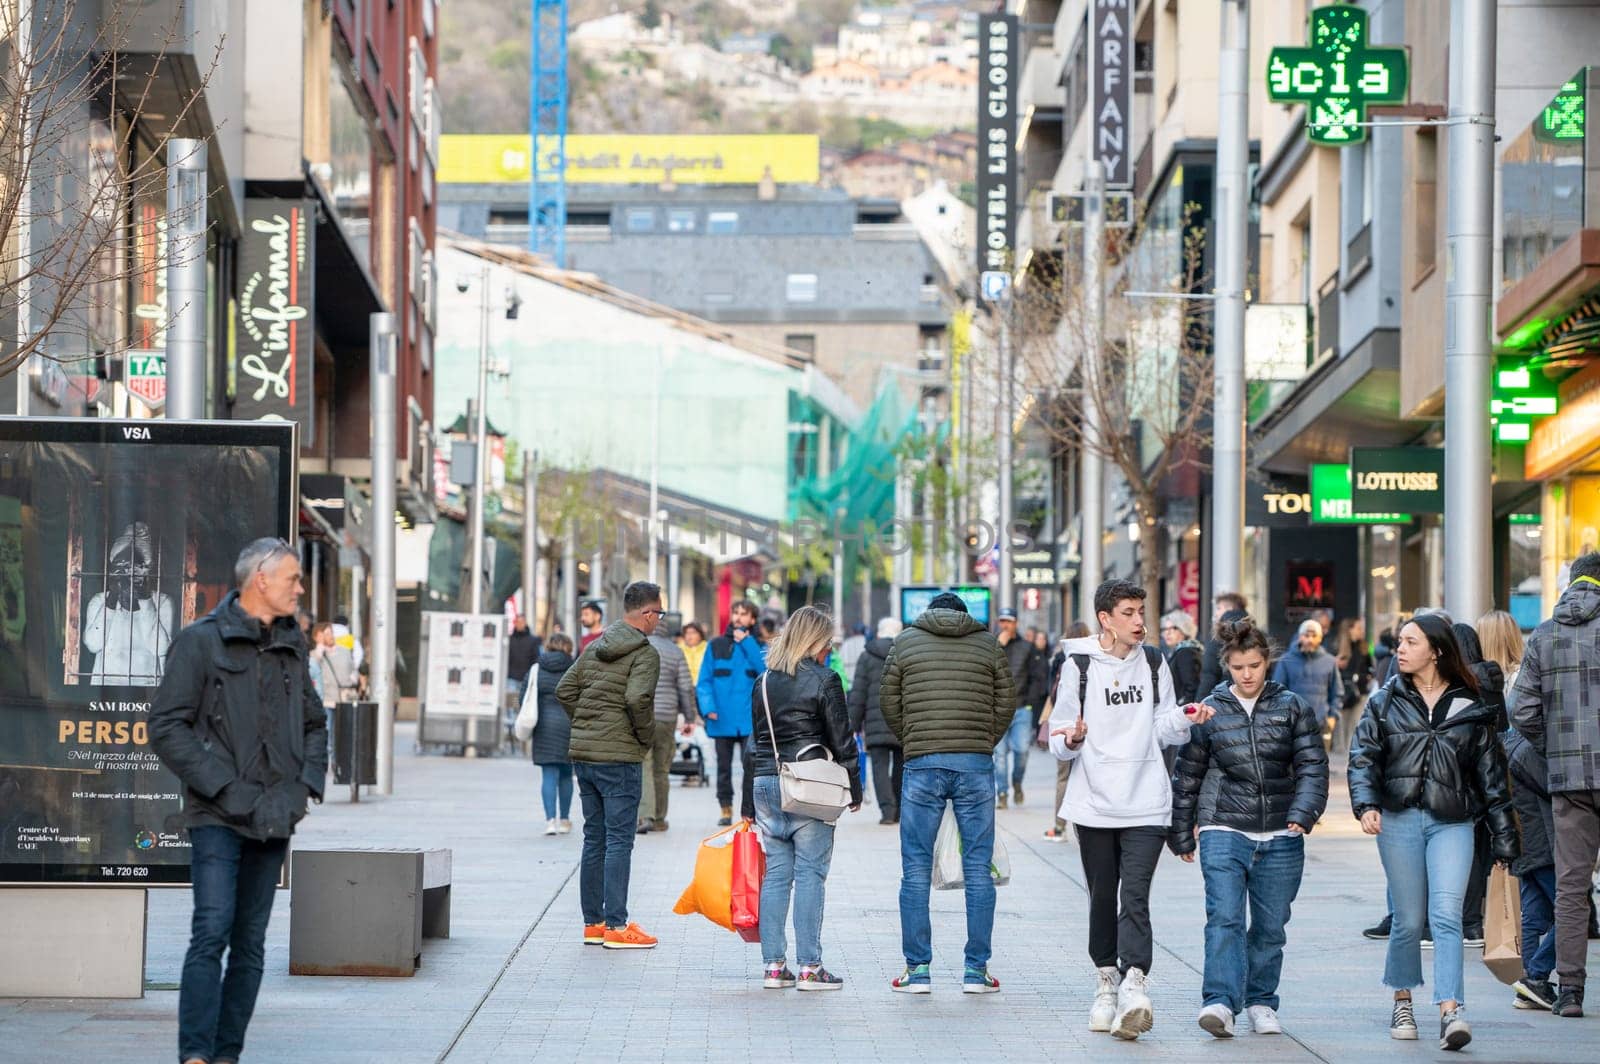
[(366, 911)]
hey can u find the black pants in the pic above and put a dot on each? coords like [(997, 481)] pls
[(726, 749), (1118, 864), (1477, 880), (888, 772)]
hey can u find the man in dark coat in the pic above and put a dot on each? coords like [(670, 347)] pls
[(522, 651), (1230, 608), (866, 719), (1030, 678), (240, 724)]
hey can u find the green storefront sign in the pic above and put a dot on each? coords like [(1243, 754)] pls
[(1397, 479), (1338, 75), (1331, 502)]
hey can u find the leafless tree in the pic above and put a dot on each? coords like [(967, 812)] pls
[(82, 267)]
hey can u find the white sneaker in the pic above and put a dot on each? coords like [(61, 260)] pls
[(1217, 1021), (550, 827), (1263, 1020), (1105, 999), (563, 827), (1134, 1013)]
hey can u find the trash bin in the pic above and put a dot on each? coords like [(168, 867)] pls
[(355, 743)]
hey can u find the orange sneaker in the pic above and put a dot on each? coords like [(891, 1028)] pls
[(594, 934), (630, 937)]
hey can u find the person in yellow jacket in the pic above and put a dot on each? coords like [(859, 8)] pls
[(693, 643)]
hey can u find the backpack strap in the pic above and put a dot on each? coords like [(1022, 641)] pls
[(1082, 662), (1152, 658)]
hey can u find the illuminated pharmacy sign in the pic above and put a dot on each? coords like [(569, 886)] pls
[(1337, 76)]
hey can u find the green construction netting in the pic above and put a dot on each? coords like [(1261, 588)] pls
[(862, 486)]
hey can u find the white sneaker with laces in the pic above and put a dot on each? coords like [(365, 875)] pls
[(1105, 999), (564, 827), (1217, 1021), (550, 827), (1135, 1015), (1263, 1020)]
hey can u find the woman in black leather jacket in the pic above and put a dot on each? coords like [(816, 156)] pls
[(1425, 764), (798, 705)]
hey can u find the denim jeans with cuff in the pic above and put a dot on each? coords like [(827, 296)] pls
[(1427, 862), (799, 851)]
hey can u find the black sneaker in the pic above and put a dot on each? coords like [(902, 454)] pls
[(1534, 994), (1381, 929), (1472, 937), (1453, 1031), (1569, 1002)]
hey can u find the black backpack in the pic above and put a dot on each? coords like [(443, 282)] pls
[(1152, 658)]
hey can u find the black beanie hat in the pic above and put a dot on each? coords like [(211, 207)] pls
[(947, 600)]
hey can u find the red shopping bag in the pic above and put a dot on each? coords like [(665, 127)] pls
[(749, 869)]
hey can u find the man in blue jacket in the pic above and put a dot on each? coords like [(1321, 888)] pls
[(1313, 674), (728, 674)]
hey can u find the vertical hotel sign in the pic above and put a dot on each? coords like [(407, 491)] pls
[(997, 135), (1113, 88), (275, 347)]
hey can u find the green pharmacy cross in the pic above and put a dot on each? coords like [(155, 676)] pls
[(1562, 118), (1338, 76)]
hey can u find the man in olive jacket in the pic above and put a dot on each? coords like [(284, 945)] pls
[(610, 695), (948, 696)]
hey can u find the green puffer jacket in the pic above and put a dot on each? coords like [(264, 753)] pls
[(947, 686), (610, 694)]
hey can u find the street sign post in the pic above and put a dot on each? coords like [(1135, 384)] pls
[(1338, 75)]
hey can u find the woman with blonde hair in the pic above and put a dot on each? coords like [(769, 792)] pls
[(1502, 642), (798, 707)]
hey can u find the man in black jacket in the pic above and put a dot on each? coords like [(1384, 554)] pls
[(866, 719), (1030, 675), (1230, 607), (238, 721)]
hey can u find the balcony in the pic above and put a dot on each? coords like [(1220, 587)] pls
[(1040, 92), (1327, 319)]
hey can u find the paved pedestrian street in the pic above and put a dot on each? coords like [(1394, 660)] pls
[(514, 982)]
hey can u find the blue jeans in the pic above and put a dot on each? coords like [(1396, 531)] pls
[(1243, 966), (1015, 741), (556, 782), (610, 796), (799, 850), (1427, 862), (966, 780), (234, 879), (1538, 891)]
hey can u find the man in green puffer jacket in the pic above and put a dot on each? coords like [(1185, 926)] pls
[(948, 696), (610, 695)]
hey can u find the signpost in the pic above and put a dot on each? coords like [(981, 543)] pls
[(1338, 75)]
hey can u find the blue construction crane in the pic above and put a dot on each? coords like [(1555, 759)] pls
[(547, 128)]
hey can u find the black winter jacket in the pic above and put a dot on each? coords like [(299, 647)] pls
[(224, 678), (1456, 769), (1030, 672), (552, 736), (1251, 772), (1184, 663), (1530, 795), (807, 710), (522, 652), (866, 695)]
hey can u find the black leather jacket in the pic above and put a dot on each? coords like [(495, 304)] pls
[(807, 710), (1251, 772), (1455, 769)]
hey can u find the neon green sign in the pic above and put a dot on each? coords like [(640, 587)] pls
[(1332, 499), (1520, 395), (1562, 118), (1338, 76)]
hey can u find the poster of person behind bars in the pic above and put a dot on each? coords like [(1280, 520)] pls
[(113, 537)]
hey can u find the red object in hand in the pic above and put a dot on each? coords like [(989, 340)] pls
[(749, 869), (1191, 709)]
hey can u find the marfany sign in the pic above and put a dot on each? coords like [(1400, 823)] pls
[(1407, 479), (1113, 88), (274, 314), (997, 133)]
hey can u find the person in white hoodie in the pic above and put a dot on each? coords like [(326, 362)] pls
[(1114, 712)]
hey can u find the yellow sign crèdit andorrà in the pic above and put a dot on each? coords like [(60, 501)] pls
[(644, 159)]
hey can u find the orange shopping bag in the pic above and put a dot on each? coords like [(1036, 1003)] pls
[(710, 893), (749, 869)]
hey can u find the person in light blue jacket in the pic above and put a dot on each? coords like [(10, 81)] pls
[(1313, 674), (728, 674)]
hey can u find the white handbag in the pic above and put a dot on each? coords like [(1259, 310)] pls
[(528, 713), (819, 788)]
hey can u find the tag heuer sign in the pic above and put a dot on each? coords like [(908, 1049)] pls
[(147, 376)]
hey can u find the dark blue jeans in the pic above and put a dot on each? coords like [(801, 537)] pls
[(967, 782), (1261, 878), (1538, 891), (234, 879), (610, 796)]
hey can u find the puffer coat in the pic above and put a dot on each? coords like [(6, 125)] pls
[(610, 694), (553, 733), (947, 686), (1258, 771), (866, 690)]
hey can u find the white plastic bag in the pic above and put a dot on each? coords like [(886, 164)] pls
[(947, 873), (528, 713)]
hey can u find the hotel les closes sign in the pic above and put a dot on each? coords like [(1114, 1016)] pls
[(997, 132), (1403, 479)]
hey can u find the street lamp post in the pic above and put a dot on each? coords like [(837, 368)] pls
[(382, 356), (1091, 463), (480, 477)]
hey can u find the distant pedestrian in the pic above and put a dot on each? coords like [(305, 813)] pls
[(335, 665), (1313, 674), (727, 678), (693, 644), (1248, 787), (1077, 630), (522, 653), (1555, 707), (1184, 656), (552, 736), (238, 722), (1114, 714), (947, 696), (799, 706), (1424, 765), (866, 719), (850, 649), (1230, 606), (591, 621), (1535, 870), (610, 695), (345, 637), (1030, 676), (674, 705), (1354, 659)]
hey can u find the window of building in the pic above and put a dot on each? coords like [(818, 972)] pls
[(801, 288), (1424, 212), (722, 223), (640, 220), (680, 220), (805, 343)]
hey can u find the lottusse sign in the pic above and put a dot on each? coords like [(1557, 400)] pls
[(1404, 479)]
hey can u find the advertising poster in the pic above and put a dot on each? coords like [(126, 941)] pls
[(113, 536), (466, 665)]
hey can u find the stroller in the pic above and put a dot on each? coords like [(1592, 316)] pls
[(690, 763)]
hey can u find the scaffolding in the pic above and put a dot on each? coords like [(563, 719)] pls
[(547, 122)]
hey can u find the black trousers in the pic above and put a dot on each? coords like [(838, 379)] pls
[(888, 773), (727, 748), (1118, 864), (1477, 880)]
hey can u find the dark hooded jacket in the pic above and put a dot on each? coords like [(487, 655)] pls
[(866, 689), (240, 724), (1555, 702), (947, 686), (610, 694), (522, 650), (1532, 801), (1211, 670), (807, 711), (552, 736), (1030, 672)]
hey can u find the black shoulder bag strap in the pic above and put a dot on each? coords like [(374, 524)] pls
[(1082, 662)]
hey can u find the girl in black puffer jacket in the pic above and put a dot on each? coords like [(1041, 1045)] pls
[(1425, 764), (1246, 788)]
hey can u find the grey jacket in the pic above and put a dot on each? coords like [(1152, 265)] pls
[(1555, 703), (675, 688)]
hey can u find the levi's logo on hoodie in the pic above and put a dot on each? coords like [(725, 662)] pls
[(1126, 696)]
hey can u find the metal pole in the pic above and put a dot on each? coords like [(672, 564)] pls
[(382, 343), (569, 580), (838, 588), (866, 594), (1091, 462), (23, 224), (655, 472), (358, 591), (1003, 533), (930, 527), (186, 279), (480, 471), (1468, 546), (1233, 219), (530, 537), (897, 563), (597, 573), (674, 577)]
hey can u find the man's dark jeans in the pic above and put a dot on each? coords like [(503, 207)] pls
[(610, 795), (727, 750), (234, 879)]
